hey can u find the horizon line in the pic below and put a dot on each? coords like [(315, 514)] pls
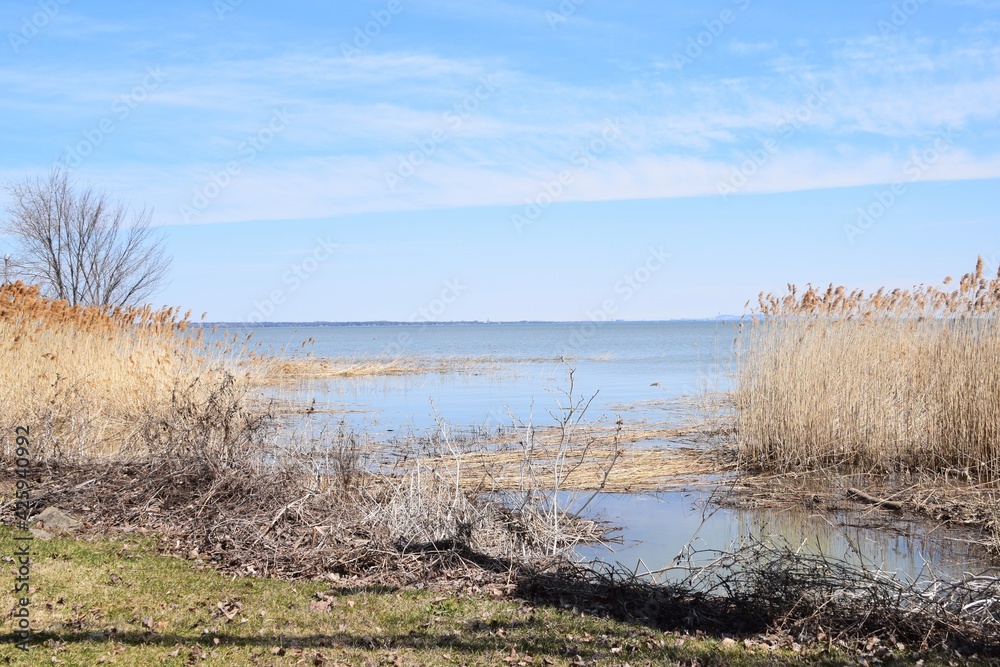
[(335, 323)]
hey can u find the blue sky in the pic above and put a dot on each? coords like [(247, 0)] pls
[(438, 159)]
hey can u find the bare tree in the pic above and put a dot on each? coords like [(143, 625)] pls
[(79, 245)]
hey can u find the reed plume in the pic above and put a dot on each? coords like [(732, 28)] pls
[(86, 380), (887, 381)]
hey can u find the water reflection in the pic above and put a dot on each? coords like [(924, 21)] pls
[(658, 528)]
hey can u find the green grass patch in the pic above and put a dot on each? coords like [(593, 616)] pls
[(118, 602)]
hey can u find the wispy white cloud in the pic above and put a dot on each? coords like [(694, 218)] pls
[(79, 26), (492, 10), (986, 5), (354, 119), (743, 48)]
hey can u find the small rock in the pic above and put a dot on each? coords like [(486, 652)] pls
[(41, 534), (728, 642), (54, 520)]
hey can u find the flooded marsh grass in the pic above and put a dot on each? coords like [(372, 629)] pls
[(900, 389), (295, 370)]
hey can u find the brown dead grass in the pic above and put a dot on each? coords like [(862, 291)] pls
[(891, 381), (85, 380), (629, 469), (282, 370)]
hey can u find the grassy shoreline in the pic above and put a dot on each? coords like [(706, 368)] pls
[(769, 598), (116, 601)]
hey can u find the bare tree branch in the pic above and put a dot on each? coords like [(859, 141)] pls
[(79, 245)]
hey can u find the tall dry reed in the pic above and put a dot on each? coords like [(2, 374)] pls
[(90, 381), (890, 381)]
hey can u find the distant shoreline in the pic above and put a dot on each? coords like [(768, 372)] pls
[(376, 323)]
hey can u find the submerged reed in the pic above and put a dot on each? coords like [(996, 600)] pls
[(899, 380)]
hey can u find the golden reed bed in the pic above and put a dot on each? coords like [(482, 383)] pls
[(85, 379), (901, 380)]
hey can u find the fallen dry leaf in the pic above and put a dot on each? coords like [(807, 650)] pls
[(319, 606), (230, 609)]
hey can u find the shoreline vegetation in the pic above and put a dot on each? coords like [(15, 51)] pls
[(279, 370), (159, 441), (283, 369), (902, 380), (896, 392)]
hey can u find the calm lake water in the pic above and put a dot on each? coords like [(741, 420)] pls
[(633, 368), (636, 370), (656, 528)]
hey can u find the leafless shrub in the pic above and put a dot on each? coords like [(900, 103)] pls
[(217, 424), (82, 247), (757, 588)]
